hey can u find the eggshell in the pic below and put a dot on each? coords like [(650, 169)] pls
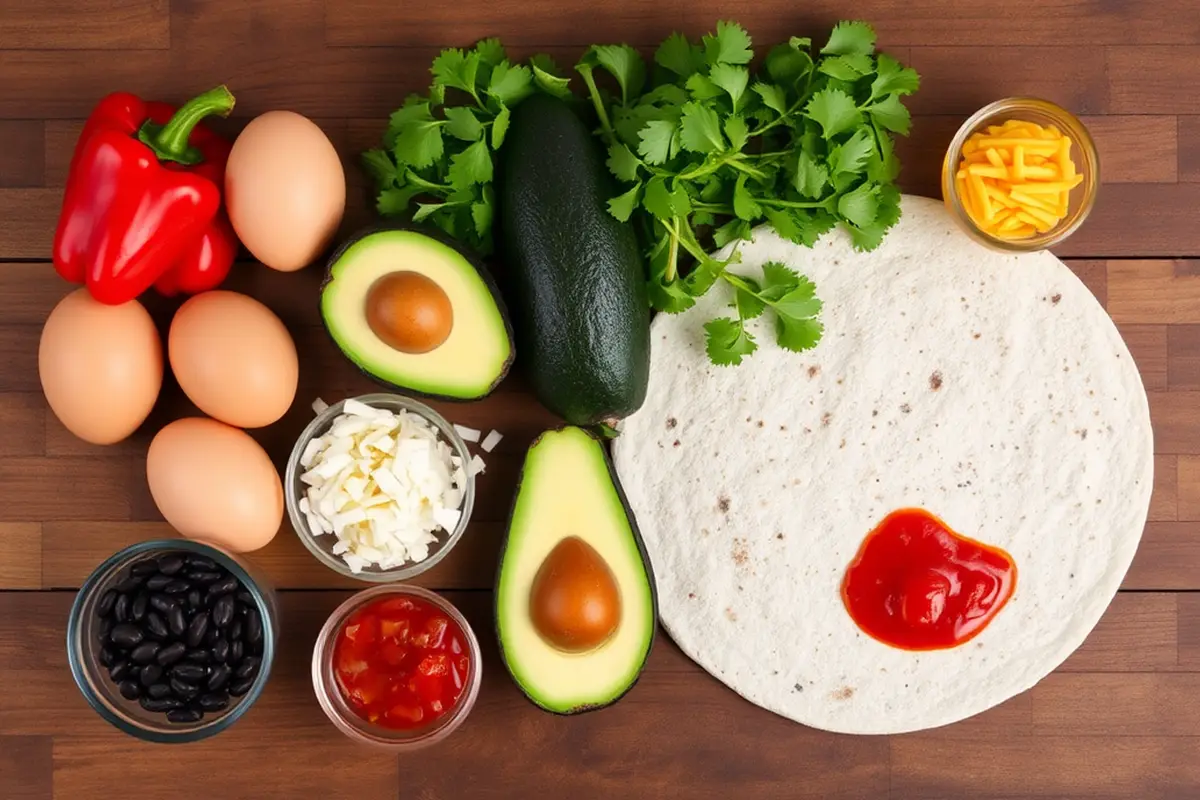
[(285, 190), (214, 483), (101, 366), (233, 358)]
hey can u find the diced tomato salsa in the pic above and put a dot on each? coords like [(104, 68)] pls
[(401, 662)]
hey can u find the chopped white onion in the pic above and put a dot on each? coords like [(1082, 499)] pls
[(490, 441), (467, 434), (319, 406)]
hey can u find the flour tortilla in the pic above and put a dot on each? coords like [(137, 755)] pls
[(991, 390)]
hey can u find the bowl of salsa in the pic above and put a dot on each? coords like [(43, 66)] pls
[(396, 667)]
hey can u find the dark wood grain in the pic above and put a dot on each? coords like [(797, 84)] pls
[(1119, 719)]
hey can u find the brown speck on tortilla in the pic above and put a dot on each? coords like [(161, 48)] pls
[(797, 688), (1082, 433), (842, 445), (704, 531), (760, 423), (1055, 298), (839, 381), (935, 381), (691, 595), (730, 615), (671, 422), (844, 693), (807, 429), (779, 536), (813, 371), (905, 408), (976, 335), (723, 504), (875, 412), (675, 443)]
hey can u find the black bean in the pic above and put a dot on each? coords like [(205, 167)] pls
[(156, 583), (195, 599), (107, 600), (171, 653), (220, 651), (203, 576), (108, 656), (218, 677), (141, 604), (155, 626), (240, 687), (161, 603), (192, 673), (130, 690), (106, 626), (248, 667), (201, 562), (185, 715), (126, 635), (184, 690), (178, 586), (227, 585), (245, 597), (121, 608), (144, 569), (160, 704), (236, 650), (151, 674), (131, 584), (176, 621), (145, 652), (222, 612), (254, 630), (170, 564), (159, 690), (213, 635), (213, 701), (198, 657), (120, 669), (236, 628), (196, 630)]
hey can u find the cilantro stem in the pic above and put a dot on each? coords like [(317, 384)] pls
[(672, 269), (702, 170), (714, 208), (763, 201), (601, 111), (751, 171)]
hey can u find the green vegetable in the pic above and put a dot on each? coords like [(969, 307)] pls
[(710, 149), (436, 163)]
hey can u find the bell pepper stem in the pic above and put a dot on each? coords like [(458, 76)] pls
[(170, 141)]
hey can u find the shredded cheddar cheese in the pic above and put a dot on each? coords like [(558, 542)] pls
[(1015, 179)]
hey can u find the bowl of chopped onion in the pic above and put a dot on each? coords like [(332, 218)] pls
[(380, 488)]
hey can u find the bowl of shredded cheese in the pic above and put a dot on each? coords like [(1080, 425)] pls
[(1021, 175), (380, 487)]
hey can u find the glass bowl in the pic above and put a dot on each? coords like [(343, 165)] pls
[(360, 730), (83, 645), (1083, 153), (321, 546)]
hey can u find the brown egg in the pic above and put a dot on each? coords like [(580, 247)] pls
[(285, 190), (233, 358), (575, 604), (214, 483), (409, 312), (101, 366)]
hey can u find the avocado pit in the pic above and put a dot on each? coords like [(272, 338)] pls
[(574, 602), (409, 312)]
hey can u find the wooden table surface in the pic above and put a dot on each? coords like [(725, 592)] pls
[(1121, 719)]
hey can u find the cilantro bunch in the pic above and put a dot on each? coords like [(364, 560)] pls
[(707, 148), (438, 149)]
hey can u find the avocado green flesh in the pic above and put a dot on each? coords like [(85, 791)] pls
[(567, 489), (474, 357)]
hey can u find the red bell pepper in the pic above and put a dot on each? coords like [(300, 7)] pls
[(141, 201)]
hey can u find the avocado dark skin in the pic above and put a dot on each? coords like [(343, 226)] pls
[(574, 275)]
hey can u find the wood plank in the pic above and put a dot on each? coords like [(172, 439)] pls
[(21, 156), (1188, 137), (65, 489), (1168, 558), (1153, 80), (1188, 477), (31, 291), (1176, 420), (1138, 220), (1153, 292), (1094, 275), (19, 358), (22, 420), (1164, 502), (27, 767), (1138, 633), (29, 218), (1189, 630), (1148, 346), (1135, 148), (375, 23), (1055, 766), (1183, 357), (1137, 704), (20, 556), (68, 25)]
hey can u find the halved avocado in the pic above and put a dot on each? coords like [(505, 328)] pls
[(414, 311), (576, 607)]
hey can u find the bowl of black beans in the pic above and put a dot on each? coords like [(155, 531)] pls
[(172, 640)]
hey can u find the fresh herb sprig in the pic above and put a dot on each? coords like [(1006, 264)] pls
[(436, 162), (708, 149)]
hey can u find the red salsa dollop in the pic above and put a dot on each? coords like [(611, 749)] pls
[(400, 662), (917, 585)]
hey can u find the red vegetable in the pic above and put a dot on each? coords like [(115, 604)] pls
[(143, 199)]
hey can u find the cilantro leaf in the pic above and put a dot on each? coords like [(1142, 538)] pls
[(700, 129), (424, 210), (834, 110), (811, 177), (623, 63), (481, 214), (461, 123), (788, 63), (778, 279), (473, 165), (622, 162), (799, 225), (744, 204), (893, 78), (547, 77), (890, 113), (732, 79), (414, 110), (657, 199), (394, 202), (728, 341), (456, 70), (730, 45), (799, 303), (860, 207), (490, 51), (509, 85), (679, 55), (379, 166), (500, 127), (419, 143), (883, 166), (852, 155), (701, 87), (748, 304), (850, 38), (670, 298), (846, 68), (737, 131), (772, 96), (623, 205), (654, 141), (731, 231), (797, 335)]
